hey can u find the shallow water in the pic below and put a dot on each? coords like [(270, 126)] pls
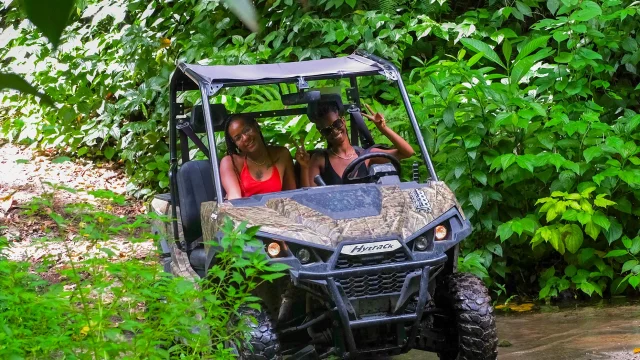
[(577, 333)]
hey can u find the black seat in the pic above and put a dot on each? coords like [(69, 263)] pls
[(195, 186), (218, 117)]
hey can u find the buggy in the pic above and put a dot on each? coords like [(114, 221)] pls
[(373, 262)]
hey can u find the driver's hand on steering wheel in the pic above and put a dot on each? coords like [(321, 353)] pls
[(375, 117)]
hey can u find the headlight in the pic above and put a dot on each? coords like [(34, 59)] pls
[(421, 243), (304, 255), (441, 232), (273, 249)]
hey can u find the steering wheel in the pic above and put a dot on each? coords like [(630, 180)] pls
[(364, 157)]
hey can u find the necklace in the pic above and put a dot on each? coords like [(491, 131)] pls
[(343, 157), (257, 163)]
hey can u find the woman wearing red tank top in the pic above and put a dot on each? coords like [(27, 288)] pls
[(251, 166)]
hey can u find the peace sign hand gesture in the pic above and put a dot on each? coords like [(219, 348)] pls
[(375, 117), (302, 156)]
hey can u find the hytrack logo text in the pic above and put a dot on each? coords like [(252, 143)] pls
[(365, 249)]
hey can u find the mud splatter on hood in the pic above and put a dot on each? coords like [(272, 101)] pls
[(329, 215)]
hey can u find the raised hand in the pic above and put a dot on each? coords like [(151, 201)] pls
[(302, 156), (375, 117)]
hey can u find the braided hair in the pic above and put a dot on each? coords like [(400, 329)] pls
[(232, 148)]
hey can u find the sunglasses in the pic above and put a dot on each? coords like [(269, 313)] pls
[(336, 125)]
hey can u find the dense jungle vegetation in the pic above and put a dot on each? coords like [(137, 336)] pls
[(529, 108)]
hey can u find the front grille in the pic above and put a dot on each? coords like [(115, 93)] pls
[(351, 261), (373, 284)]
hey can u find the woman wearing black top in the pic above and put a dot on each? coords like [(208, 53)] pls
[(330, 163)]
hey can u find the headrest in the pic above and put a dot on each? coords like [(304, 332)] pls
[(218, 116), (312, 108)]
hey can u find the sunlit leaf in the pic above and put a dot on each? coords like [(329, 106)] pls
[(482, 47)]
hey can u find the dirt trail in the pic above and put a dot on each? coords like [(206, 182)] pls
[(25, 174)]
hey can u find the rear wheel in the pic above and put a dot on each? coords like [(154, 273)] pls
[(472, 333), (263, 343)]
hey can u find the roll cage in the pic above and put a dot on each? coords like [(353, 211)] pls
[(211, 79)]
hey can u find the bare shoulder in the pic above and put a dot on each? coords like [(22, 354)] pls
[(230, 161), (317, 157), (279, 152)]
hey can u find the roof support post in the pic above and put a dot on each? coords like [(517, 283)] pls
[(207, 90), (173, 154), (416, 129), (392, 73)]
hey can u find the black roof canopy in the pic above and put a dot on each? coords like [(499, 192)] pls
[(188, 76)]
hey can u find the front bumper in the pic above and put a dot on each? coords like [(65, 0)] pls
[(399, 279), (397, 283)]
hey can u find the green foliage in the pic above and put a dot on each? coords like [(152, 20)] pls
[(529, 109), (111, 304)]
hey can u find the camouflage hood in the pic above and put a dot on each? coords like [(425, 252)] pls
[(329, 215)]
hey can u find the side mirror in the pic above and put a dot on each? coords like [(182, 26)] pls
[(300, 97)]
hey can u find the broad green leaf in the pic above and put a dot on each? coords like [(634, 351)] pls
[(504, 33), (615, 142), (614, 232), (627, 242), (584, 218), (635, 245), (449, 115), (544, 292), (592, 152), (588, 10), (573, 238), (564, 58), (589, 54), (616, 253), (50, 18), (474, 59), (531, 46), (570, 270), (629, 148), (521, 69), (504, 231), (556, 241), (526, 162), (480, 176), (472, 141), (586, 255), (495, 248), (351, 3), (592, 230), (528, 225), (275, 267), (634, 281), (602, 202), (523, 8), (506, 160), (475, 197), (479, 46), (15, 82), (506, 50), (61, 159), (271, 277), (109, 152), (553, 6), (601, 219)]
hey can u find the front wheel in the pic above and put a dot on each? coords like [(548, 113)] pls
[(263, 343), (472, 333)]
